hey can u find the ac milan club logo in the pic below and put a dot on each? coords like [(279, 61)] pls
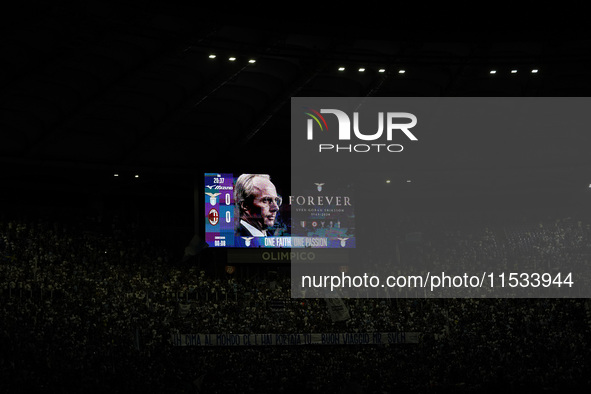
[(213, 217)]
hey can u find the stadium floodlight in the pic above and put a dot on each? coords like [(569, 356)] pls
[(401, 71), (534, 71), (513, 71), (341, 68), (251, 61), (136, 176), (231, 58), (493, 71), (212, 56), (382, 70), (361, 69), (387, 181)]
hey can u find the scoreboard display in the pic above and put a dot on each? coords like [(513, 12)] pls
[(319, 216), (219, 209)]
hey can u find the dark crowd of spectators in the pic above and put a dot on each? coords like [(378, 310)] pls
[(92, 308)]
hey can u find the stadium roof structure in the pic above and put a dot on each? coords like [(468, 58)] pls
[(110, 87)]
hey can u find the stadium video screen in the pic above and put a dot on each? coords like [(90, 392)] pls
[(258, 211)]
